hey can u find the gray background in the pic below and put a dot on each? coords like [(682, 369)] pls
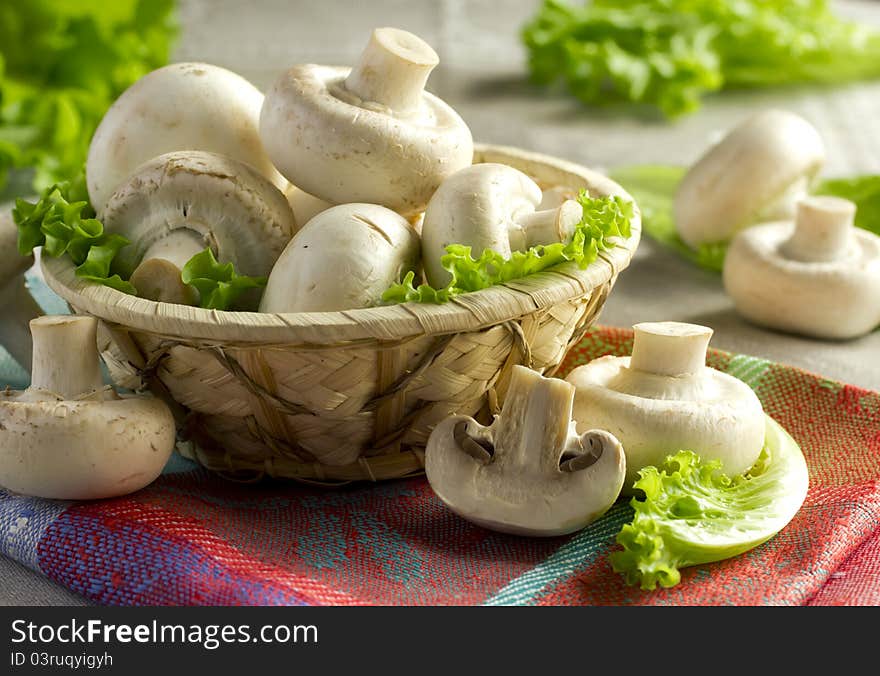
[(482, 76)]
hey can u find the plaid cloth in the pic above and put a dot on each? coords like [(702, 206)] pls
[(192, 538)]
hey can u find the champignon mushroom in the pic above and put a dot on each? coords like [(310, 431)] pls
[(755, 174), (344, 258), (67, 436), (183, 106), (490, 206), (665, 399), (18, 306), (528, 473), (304, 206), (818, 276), (367, 134), (178, 204)]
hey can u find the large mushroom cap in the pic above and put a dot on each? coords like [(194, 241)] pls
[(754, 174), (215, 200), (327, 139), (183, 106)]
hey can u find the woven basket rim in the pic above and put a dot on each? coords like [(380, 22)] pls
[(467, 312)]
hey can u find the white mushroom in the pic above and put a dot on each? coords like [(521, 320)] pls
[(755, 174), (177, 204), (344, 258), (17, 305), (818, 276), (529, 473), (490, 206), (665, 399), (367, 134), (68, 437), (183, 106), (304, 206)]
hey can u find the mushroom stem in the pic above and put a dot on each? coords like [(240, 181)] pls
[(670, 348), (546, 226), (65, 355), (19, 308), (393, 70), (823, 230), (158, 275)]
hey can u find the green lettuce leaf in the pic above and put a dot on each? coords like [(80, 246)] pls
[(62, 64), (63, 222), (603, 219), (864, 191), (671, 53), (693, 514), (219, 285)]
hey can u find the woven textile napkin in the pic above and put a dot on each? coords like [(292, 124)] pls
[(192, 538)]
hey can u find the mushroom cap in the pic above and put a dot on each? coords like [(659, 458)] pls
[(182, 106), (475, 207), (344, 258), (768, 159), (237, 211), (710, 413), (83, 449), (341, 152), (837, 299)]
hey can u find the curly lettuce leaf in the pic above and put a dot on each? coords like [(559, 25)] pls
[(62, 64), (63, 222), (604, 218), (671, 53), (219, 285), (693, 514)]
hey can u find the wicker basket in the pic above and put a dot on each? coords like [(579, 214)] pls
[(341, 396)]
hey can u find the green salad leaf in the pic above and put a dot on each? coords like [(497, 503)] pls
[(603, 219), (219, 285), (63, 222), (864, 191), (62, 64), (692, 513), (671, 53)]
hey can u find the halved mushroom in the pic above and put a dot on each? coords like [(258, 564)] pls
[(183, 106), (529, 473), (755, 174), (367, 134), (344, 258), (491, 206), (18, 306), (665, 399), (177, 204), (67, 436), (818, 275)]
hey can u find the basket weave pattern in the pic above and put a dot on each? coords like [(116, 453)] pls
[(354, 398)]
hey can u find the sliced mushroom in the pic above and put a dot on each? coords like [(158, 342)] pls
[(665, 399), (367, 134), (66, 436), (344, 258), (528, 473), (755, 174), (18, 306), (818, 275), (178, 204), (183, 106), (490, 206)]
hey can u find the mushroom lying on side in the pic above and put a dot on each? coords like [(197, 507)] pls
[(344, 258), (818, 276), (177, 204), (367, 134), (491, 206), (67, 436), (755, 174), (183, 106), (528, 473), (665, 399), (17, 306)]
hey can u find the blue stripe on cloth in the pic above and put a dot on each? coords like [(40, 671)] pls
[(23, 520), (578, 553)]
